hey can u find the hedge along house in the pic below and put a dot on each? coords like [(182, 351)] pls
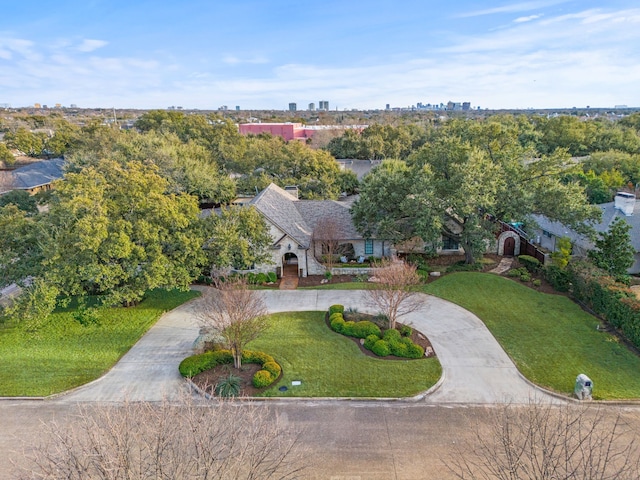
[(299, 229)]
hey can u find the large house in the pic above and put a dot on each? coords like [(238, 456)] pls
[(296, 225), (625, 206)]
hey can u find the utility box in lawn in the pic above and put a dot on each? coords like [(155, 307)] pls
[(584, 387)]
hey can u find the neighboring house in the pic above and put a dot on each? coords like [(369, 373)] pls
[(292, 223), (34, 177), (625, 206)]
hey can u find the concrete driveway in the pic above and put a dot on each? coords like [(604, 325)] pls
[(476, 370)]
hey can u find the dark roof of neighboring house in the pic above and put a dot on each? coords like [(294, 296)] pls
[(37, 174), (609, 214), (298, 218), (359, 167)]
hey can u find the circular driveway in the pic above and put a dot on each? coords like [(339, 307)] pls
[(476, 370)]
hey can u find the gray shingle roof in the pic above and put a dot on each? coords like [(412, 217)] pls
[(298, 218), (278, 206), (37, 174), (609, 214)]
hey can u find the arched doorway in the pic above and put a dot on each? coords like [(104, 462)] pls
[(509, 247), (290, 265)]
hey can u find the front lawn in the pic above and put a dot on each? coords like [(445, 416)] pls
[(64, 354), (549, 337), (330, 365)]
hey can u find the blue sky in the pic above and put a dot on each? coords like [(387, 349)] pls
[(355, 54)]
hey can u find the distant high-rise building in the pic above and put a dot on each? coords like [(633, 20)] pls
[(312, 107), (388, 107), (237, 108), (37, 105), (73, 105), (293, 107), (323, 105), (466, 105)]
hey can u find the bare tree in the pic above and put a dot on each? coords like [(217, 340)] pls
[(166, 441), (542, 442), (238, 314), (326, 235), (7, 181), (394, 290)]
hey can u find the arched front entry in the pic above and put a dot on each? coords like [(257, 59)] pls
[(509, 244), (290, 265)]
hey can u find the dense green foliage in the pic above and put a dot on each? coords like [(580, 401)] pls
[(549, 337), (66, 352), (613, 251), (21, 199)]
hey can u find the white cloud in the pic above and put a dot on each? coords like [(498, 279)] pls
[(89, 45), (234, 60), (513, 8), (526, 19)]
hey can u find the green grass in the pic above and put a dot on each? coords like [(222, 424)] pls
[(64, 354), (331, 365), (549, 337)]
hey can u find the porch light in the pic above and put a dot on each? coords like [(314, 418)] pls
[(289, 247)]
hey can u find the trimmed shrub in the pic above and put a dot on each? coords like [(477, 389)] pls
[(337, 322), (191, 366), (415, 351), (517, 272), (261, 278), (251, 356), (262, 378), (365, 328), (347, 328), (537, 282), (336, 309), (381, 348), (272, 277), (532, 264), (228, 386), (273, 368), (406, 331), (525, 277), (370, 341), (333, 316), (391, 334), (399, 349)]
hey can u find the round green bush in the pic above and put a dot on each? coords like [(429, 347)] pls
[(336, 309), (415, 351), (251, 356), (397, 348), (391, 334), (337, 324), (272, 277), (365, 328), (262, 378), (261, 278), (406, 331), (370, 341), (525, 277), (381, 348), (347, 328), (335, 315), (273, 368), (537, 282)]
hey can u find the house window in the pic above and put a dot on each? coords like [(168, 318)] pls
[(547, 234), (368, 247), (449, 243)]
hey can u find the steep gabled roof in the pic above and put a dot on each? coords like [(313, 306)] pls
[(314, 211), (278, 206)]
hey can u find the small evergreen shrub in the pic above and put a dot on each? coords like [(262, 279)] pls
[(525, 277), (365, 328), (272, 277), (397, 348), (381, 348), (406, 331), (517, 272), (370, 341), (262, 378), (557, 277), (261, 278), (415, 351), (391, 334), (336, 309), (273, 368), (347, 328), (537, 282), (191, 366), (251, 356), (532, 264), (337, 323), (228, 386)]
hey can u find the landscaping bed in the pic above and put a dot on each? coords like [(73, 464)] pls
[(207, 380)]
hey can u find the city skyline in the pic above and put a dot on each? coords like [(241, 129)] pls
[(258, 55)]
